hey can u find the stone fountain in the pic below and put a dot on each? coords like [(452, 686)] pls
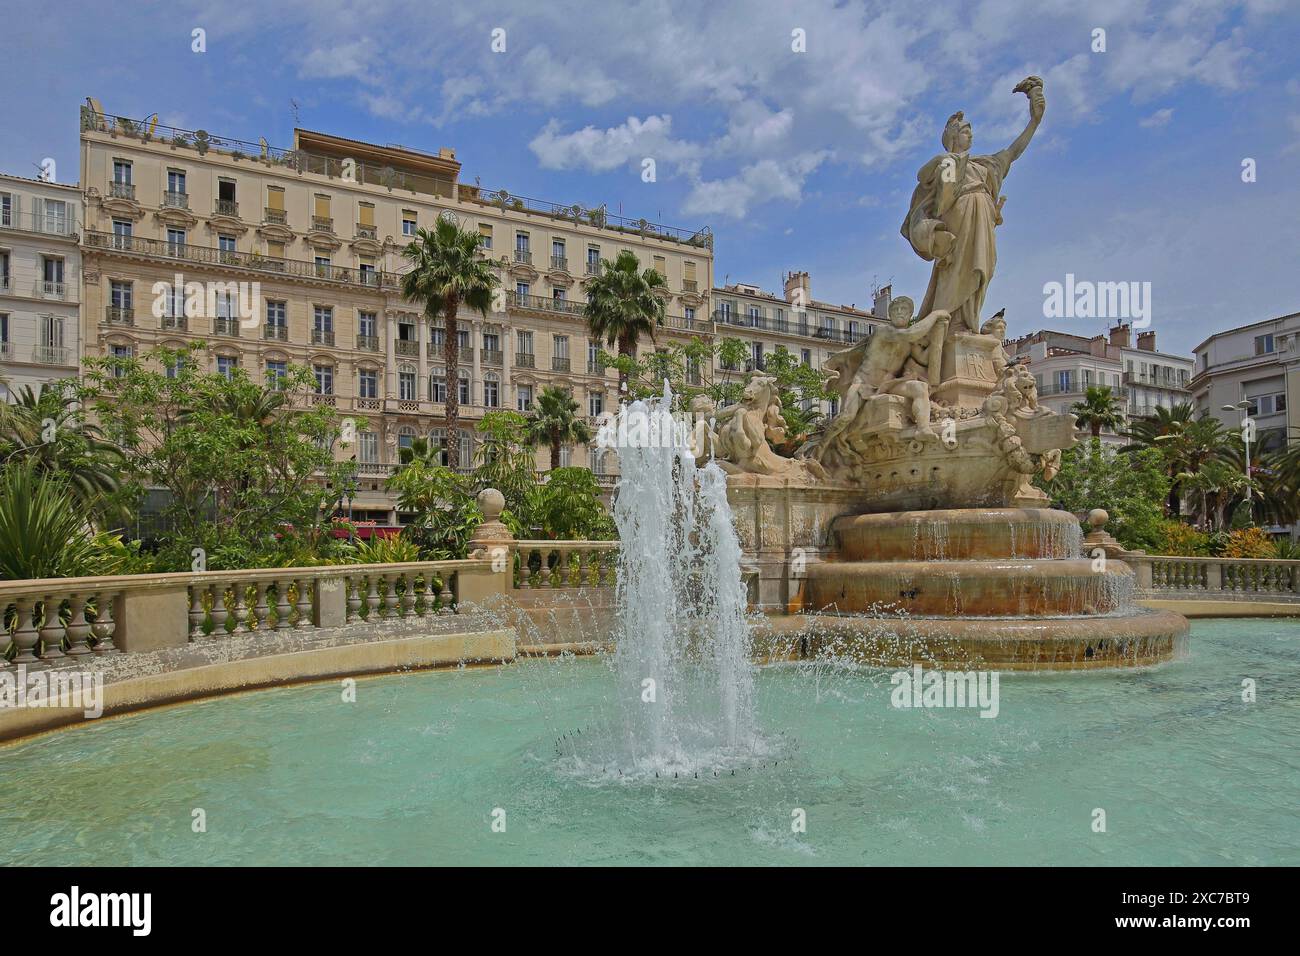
[(915, 509)]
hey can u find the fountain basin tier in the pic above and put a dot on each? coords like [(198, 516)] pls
[(959, 535), (1133, 638), (1008, 587)]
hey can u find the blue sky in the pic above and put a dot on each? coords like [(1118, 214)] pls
[(796, 160)]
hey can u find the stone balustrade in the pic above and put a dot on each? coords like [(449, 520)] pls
[(564, 564), (1229, 578), (51, 619)]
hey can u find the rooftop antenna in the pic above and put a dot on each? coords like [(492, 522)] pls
[(294, 109)]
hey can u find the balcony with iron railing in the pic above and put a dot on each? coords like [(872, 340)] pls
[(4, 285), (524, 256), (176, 200), (6, 351), (276, 333), (252, 261), (45, 225), (406, 347), (559, 364), (690, 285), (51, 290), (367, 232), (51, 355), (225, 325), (119, 315), (541, 303), (595, 368), (276, 216), (227, 207), (118, 190), (322, 336), (174, 323), (560, 263), (491, 356), (525, 360), (368, 343), (593, 268), (322, 224)]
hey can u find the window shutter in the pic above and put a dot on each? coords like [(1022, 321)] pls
[(275, 198), (367, 215), (322, 207)]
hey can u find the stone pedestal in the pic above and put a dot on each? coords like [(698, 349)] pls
[(971, 365)]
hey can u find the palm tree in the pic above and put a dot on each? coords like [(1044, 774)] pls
[(46, 429), (1099, 409), (446, 272), (1218, 481), (422, 451), (622, 306), (555, 422), (1143, 432)]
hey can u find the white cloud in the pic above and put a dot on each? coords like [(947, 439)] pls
[(1157, 119), (601, 150), (767, 179)]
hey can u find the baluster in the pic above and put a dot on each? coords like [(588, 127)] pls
[(241, 608), (448, 595), (372, 597), (197, 612), (78, 627), (51, 632), (282, 606), (422, 591), (525, 572), (354, 598), (304, 603), (219, 611), (104, 626), (25, 635), (544, 574), (261, 610), (388, 590), (407, 582), (583, 569)]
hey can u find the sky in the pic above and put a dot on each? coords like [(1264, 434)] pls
[(794, 129)]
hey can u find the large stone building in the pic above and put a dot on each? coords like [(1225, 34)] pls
[(40, 283), (320, 229), (1065, 366), (1258, 364)]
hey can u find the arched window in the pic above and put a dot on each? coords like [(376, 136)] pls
[(464, 387), (406, 383), (492, 390), (405, 435), (437, 385)]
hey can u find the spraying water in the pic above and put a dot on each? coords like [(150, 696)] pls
[(682, 657)]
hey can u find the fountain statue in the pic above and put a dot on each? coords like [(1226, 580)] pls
[(937, 429)]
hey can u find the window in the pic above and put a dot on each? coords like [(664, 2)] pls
[(408, 222), (1264, 344), (406, 385), (6, 209), (491, 391), (367, 324), (688, 312), (593, 260), (52, 275), (437, 385), (756, 355), (559, 295), (225, 245), (805, 356), (524, 398), (485, 235), (276, 372), (405, 436), (175, 367), (462, 338), (437, 338), (521, 290), (122, 172), (595, 404), (463, 388), (322, 265), (120, 294), (4, 328), (596, 460), (1063, 381), (176, 242), (661, 266), (368, 383), (122, 352), (176, 181), (521, 242), (276, 314), (524, 342), (226, 204), (367, 273), (368, 447), (323, 319), (560, 346), (226, 365)]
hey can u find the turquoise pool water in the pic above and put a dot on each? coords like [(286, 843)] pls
[(412, 773)]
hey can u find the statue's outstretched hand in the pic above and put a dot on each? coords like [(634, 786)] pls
[(941, 244)]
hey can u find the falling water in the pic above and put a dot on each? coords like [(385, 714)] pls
[(682, 657)]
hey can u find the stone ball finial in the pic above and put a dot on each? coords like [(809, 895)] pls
[(490, 502), (1097, 518)]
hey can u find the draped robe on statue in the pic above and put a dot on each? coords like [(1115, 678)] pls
[(965, 203)]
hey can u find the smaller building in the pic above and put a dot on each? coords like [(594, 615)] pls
[(1065, 366), (809, 329), (1258, 364), (40, 282)]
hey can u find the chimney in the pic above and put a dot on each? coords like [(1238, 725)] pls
[(1147, 340), (880, 301), (798, 289), (1119, 336), (1097, 344)]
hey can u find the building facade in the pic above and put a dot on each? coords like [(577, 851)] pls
[(1065, 366), (1258, 364), (298, 253), (40, 283)]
